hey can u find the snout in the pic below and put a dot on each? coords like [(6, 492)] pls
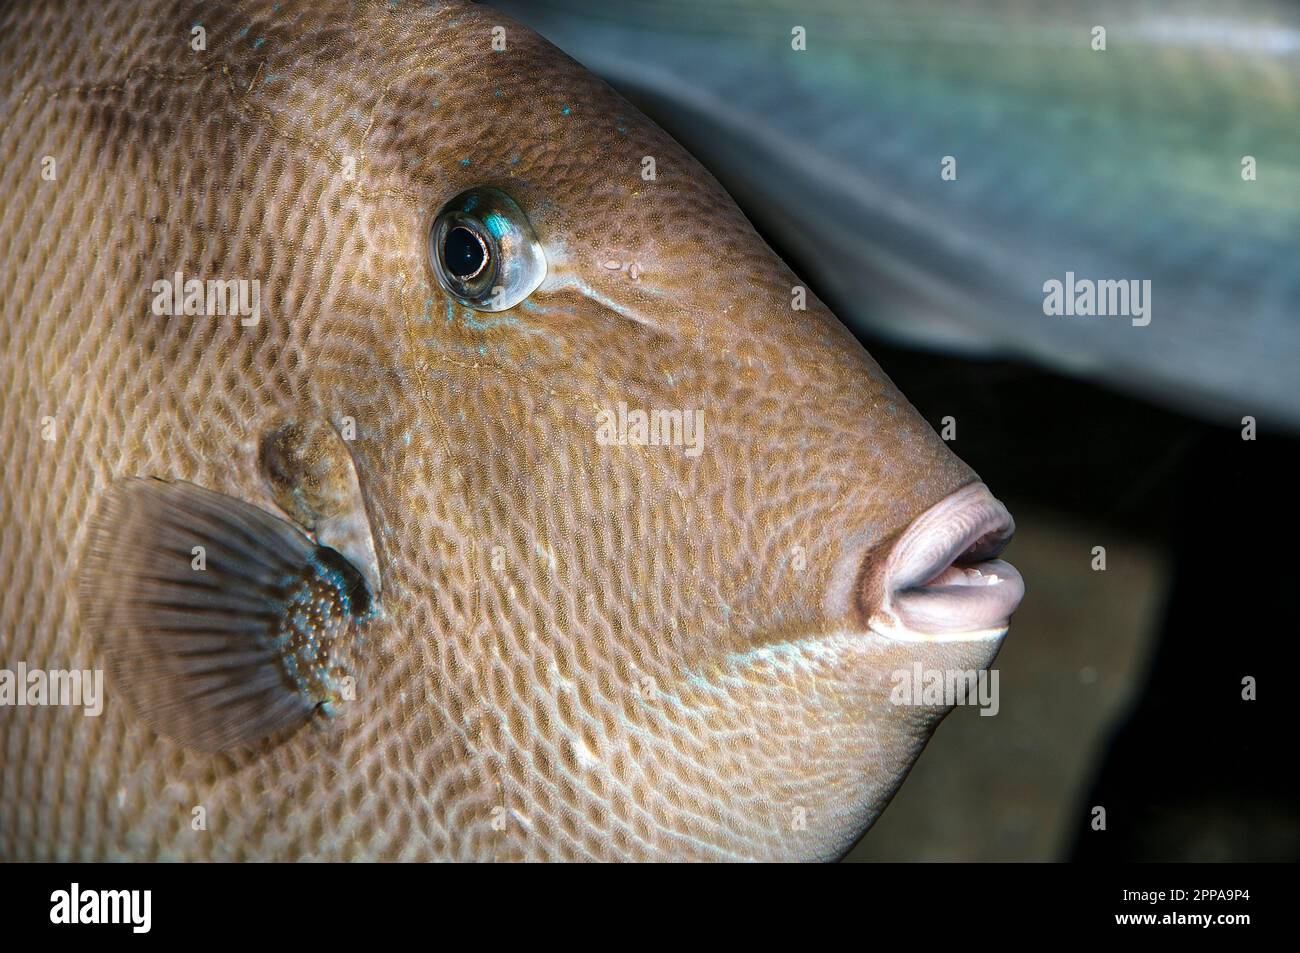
[(942, 580)]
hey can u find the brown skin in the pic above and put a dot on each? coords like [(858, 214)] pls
[(638, 670)]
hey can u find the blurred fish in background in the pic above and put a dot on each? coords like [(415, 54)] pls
[(931, 166)]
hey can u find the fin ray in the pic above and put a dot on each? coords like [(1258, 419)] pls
[(239, 649)]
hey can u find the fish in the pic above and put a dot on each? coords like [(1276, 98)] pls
[(429, 475), (945, 172)]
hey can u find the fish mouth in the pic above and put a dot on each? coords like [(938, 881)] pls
[(942, 580)]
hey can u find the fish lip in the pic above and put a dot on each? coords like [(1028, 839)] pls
[(935, 583)]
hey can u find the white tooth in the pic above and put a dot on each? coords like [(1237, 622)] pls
[(992, 578)]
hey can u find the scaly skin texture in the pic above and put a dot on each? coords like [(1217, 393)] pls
[(641, 671)]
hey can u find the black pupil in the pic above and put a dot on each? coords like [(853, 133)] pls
[(463, 252)]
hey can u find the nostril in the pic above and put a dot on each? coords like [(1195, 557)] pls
[(941, 579)]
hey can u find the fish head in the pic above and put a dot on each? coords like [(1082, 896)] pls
[(661, 531), (528, 507)]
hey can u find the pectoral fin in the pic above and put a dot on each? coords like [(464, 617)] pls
[(222, 624)]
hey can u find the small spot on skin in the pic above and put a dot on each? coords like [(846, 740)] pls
[(566, 110), (257, 44), (633, 268), (464, 162)]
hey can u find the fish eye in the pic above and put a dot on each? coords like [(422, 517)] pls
[(464, 253), (483, 251)]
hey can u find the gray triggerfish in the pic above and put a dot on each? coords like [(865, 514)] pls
[(437, 464)]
